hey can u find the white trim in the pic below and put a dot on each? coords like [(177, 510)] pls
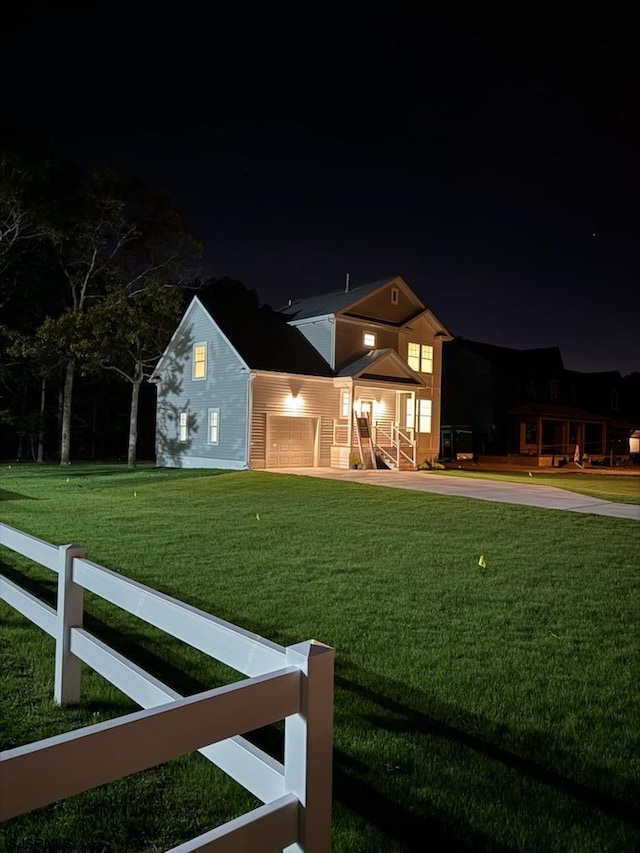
[(193, 306), (196, 345), (307, 320), (181, 426), (210, 411), (210, 462)]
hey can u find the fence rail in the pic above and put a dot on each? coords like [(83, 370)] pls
[(293, 683)]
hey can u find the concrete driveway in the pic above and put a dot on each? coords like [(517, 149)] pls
[(527, 494)]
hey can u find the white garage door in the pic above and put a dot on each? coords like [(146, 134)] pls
[(290, 442)]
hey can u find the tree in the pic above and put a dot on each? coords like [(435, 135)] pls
[(116, 236), (29, 286), (130, 332)]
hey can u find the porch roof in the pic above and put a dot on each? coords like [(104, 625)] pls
[(556, 412), (363, 368)]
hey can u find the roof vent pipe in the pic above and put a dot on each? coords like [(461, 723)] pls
[(346, 285)]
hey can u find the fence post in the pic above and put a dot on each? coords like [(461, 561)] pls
[(66, 689), (308, 746)]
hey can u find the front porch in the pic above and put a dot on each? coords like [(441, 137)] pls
[(372, 431), (555, 435)]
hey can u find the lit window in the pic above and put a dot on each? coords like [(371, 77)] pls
[(424, 417), (344, 404), (420, 357), (200, 361), (410, 421), (183, 427), (426, 359), (394, 295), (214, 426), (369, 339)]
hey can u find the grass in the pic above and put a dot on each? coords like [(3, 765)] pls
[(476, 708), (620, 488)]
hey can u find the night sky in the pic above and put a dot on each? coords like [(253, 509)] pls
[(490, 161)]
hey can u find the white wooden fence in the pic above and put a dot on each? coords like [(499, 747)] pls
[(293, 683)]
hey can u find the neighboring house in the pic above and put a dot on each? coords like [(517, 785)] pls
[(349, 375), (524, 405)]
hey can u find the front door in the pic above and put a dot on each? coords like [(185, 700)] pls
[(366, 410)]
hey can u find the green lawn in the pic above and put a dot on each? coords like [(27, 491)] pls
[(491, 709), (612, 487)]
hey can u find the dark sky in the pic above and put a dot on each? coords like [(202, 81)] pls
[(490, 160)]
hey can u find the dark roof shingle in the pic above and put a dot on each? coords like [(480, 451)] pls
[(266, 342), (330, 303)]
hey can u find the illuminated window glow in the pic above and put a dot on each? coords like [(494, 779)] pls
[(424, 416), (183, 427), (214, 426), (410, 420), (200, 361), (420, 357), (369, 339), (344, 404)]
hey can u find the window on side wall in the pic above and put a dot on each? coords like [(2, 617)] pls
[(213, 434), (199, 361), (424, 416), (369, 339), (183, 427)]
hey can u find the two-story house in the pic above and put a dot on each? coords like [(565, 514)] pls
[(353, 374), (524, 406)]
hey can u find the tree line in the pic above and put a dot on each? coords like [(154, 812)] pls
[(94, 268)]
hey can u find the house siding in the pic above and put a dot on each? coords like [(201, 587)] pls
[(319, 333), (225, 387), (379, 306), (349, 344), (271, 395)]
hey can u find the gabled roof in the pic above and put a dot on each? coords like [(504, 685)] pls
[(544, 358), (265, 341), (555, 410), (336, 301), (365, 366)]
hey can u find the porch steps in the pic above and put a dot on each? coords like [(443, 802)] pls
[(365, 445)]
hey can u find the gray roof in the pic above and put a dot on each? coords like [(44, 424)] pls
[(330, 303), (267, 342)]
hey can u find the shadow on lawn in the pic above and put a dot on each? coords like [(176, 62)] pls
[(6, 495), (384, 795), (404, 719)]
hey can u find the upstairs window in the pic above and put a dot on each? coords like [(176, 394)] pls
[(614, 399), (369, 339), (394, 295), (553, 389), (199, 361), (420, 357)]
